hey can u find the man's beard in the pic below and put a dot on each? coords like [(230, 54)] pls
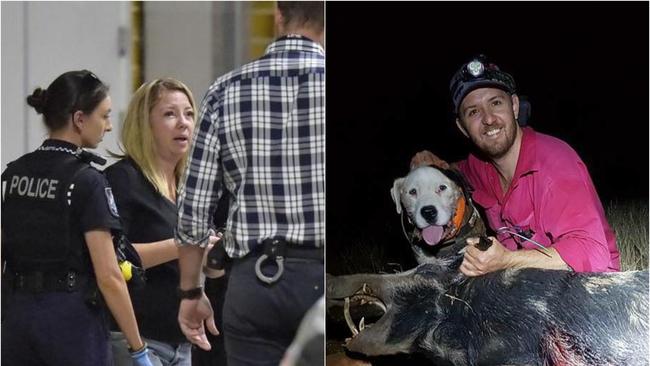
[(497, 149)]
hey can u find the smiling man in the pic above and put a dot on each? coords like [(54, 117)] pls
[(534, 188)]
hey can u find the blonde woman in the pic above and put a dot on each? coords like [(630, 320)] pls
[(155, 139)]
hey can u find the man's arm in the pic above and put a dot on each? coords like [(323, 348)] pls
[(192, 313), (200, 186), (197, 198), (190, 258), (573, 216), (497, 257)]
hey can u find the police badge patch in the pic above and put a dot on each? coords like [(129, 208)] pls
[(111, 202)]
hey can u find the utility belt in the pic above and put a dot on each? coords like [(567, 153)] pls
[(39, 282), (276, 250)]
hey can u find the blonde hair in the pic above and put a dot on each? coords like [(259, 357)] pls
[(137, 141)]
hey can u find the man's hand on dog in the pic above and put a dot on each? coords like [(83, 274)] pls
[(426, 157), (477, 262)]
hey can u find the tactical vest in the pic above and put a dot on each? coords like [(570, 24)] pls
[(36, 222)]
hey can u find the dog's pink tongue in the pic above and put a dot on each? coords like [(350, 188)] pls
[(432, 234)]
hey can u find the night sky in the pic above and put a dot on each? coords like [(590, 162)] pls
[(583, 67)]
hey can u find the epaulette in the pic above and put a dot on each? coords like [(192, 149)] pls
[(88, 157)]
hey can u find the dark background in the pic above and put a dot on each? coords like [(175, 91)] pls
[(584, 68)]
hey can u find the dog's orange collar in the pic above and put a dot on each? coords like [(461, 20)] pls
[(457, 220)]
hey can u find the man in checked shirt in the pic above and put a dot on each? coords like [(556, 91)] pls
[(260, 140)]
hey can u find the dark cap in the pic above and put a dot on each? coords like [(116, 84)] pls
[(478, 73)]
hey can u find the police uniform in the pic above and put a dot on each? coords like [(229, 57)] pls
[(52, 316)]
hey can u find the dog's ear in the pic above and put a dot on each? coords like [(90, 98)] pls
[(395, 194), (458, 178)]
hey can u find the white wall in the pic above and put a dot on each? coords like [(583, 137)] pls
[(13, 111), (192, 41), (178, 38), (40, 41)]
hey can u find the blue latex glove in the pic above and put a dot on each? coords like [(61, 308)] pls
[(141, 357)]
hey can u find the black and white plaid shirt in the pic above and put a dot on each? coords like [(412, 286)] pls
[(260, 136)]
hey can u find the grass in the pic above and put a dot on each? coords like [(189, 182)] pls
[(373, 257), (629, 219)]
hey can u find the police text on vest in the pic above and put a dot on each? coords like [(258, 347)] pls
[(33, 187)]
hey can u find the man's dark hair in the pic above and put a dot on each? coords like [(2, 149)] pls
[(303, 13)]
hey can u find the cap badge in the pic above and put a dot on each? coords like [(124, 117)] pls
[(475, 68)]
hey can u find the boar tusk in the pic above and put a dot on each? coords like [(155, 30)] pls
[(348, 318)]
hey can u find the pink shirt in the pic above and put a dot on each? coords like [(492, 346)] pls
[(552, 195)]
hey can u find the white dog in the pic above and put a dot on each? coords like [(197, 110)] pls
[(436, 204)]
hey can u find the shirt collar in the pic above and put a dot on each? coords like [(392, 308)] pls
[(295, 42), (60, 143), (527, 161)]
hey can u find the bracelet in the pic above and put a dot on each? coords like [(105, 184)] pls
[(191, 294)]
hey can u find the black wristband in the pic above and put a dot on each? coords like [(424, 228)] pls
[(191, 294)]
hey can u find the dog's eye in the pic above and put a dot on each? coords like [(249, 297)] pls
[(413, 192), (442, 187)]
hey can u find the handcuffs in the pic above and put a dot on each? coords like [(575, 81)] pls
[(274, 249)]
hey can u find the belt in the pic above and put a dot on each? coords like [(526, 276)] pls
[(36, 281), (280, 247), (278, 250)]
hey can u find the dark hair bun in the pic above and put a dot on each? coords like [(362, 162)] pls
[(38, 100)]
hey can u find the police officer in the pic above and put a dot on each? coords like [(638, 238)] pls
[(58, 224)]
